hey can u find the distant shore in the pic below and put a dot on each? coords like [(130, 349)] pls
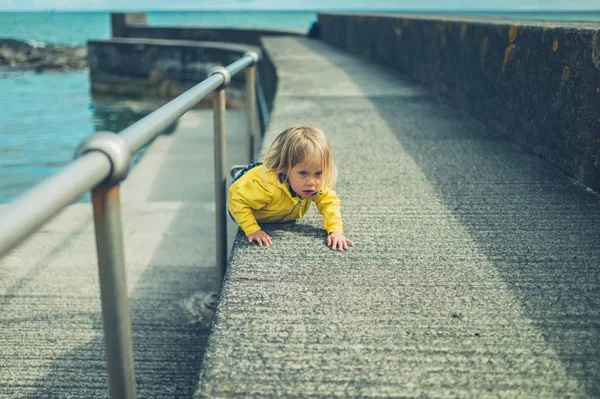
[(17, 55)]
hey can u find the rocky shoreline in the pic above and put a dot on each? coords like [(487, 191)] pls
[(17, 55)]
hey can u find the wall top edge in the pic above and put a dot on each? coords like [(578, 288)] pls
[(187, 43), (474, 19), (296, 31)]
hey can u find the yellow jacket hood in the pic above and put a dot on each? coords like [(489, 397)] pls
[(259, 197)]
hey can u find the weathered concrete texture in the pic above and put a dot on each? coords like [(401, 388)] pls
[(534, 82), (161, 68), (475, 272), (51, 339)]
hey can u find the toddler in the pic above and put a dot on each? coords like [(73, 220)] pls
[(297, 171)]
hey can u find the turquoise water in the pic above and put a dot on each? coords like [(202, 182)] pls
[(38, 132), (44, 116), (42, 119)]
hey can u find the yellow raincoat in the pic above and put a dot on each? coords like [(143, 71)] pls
[(254, 199)]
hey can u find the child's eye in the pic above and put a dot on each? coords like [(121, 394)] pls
[(319, 174), (302, 173)]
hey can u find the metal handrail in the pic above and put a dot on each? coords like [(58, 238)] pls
[(102, 162)]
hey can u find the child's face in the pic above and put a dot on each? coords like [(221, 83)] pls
[(305, 176)]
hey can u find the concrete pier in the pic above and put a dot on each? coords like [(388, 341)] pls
[(475, 271)]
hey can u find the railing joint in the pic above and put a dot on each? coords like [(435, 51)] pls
[(114, 147), (220, 70), (254, 55)]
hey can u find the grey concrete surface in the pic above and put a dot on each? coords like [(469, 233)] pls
[(475, 272), (51, 340)]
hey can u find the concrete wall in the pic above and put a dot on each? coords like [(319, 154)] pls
[(121, 21), (134, 25), (536, 83), (161, 68), (267, 83)]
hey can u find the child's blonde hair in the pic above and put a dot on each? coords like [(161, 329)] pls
[(296, 143)]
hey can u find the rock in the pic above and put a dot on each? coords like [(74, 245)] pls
[(19, 55), (15, 44), (200, 308)]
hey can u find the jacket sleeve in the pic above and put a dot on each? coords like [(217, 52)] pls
[(328, 205), (243, 198)]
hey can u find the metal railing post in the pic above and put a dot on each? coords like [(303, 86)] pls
[(251, 102), (111, 264), (220, 180)]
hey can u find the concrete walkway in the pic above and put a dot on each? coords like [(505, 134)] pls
[(476, 269), (51, 339)]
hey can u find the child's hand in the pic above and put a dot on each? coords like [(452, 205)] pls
[(260, 237), (336, 240)]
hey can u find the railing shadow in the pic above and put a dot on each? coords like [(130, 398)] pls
[(536, 226)]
